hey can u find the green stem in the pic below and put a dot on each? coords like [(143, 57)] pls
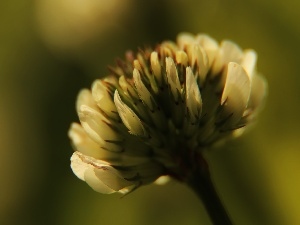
[(201, 183)]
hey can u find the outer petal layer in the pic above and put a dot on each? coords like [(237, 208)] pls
[(98, 174)]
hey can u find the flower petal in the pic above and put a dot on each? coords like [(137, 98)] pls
[(249, 62), (129, 118), (134, 151), (128, 89), (210, 46), (103, 98), (156, 67), (98, 174), (111, 178), (181, 58), (84, 144), (98, 128), (95, 183), (85, 98), (162, 180), (184, 39), (258, 92), (200, 61), (80, 163), (143, 92), (235, 95), (228, 52), (192, 95), (172, 78)]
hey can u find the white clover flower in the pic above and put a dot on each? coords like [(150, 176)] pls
[(160, 109)]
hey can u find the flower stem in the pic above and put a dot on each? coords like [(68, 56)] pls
[(201, 183)]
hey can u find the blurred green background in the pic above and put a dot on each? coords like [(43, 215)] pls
[(50, 49)]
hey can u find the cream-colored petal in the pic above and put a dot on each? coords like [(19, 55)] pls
[(110, 177), (143, 92), (249, 62), (156, 67), (172, 78), (258, 92), (111, 80), (100, 93), (168, 48), (184, 39), (228, 52), (85, 98), (127, 88), (129, 118), (98, 123), (147, 98), (210, 46), (130, 96), (162, 180), (231, 52), (96, 126), (181, 58), (84, 144), (200, 59), (137, 65), (95, 183), (80, 163), (84, 168), (78, 166), (193, 97), (235, 95)]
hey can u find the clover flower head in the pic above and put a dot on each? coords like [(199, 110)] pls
[(160, 108)]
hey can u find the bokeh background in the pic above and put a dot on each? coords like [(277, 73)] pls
[(50, 49)]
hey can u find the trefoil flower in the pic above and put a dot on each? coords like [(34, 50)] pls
[(160, 109)]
